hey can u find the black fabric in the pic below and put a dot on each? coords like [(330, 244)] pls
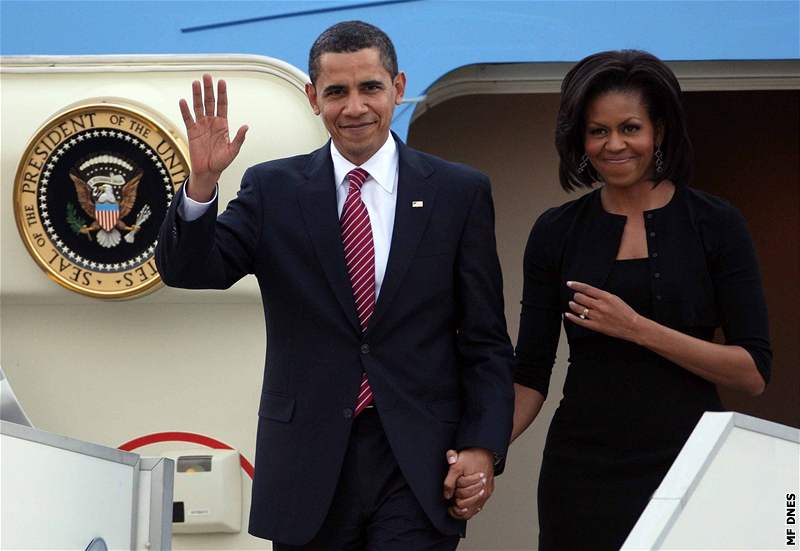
[(627, 411), (703, 274), (373, 508), (624, 417)]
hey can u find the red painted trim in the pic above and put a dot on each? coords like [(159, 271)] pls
[(191, 437)]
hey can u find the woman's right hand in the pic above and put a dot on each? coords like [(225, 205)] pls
[(210, 148)]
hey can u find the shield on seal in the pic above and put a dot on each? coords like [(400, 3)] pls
[(107, 215)]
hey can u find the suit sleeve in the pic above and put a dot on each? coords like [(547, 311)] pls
[(540, 318), (482, 341), (739, 292), (211, 252)]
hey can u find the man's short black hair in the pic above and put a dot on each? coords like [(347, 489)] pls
[(352, 36), (621, 71)]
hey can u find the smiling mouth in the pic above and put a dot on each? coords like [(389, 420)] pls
[(618, 161), (356, 126)]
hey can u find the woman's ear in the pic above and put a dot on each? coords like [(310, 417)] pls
[(659, 137)]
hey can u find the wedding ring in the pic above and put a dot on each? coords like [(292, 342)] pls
[(585, 314)]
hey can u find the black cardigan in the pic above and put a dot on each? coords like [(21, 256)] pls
[(703, 267)]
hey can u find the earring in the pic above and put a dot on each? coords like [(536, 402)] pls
[(584, 162), (659, 160)]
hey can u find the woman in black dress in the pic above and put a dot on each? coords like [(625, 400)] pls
[(641, 271)]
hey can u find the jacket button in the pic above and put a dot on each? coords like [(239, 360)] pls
[(649, 215), (657, 275), (347, 413), (658, 297), (654, 255), (365, 348), (652, 234)]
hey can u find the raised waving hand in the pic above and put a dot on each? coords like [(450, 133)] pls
[(210, 148)]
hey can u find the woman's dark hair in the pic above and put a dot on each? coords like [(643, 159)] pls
[(621, 71), (348, 37)]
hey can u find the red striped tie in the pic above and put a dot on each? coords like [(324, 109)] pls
[(359, 255)]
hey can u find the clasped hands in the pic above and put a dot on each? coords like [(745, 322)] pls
[(470, 479), (469, 482)]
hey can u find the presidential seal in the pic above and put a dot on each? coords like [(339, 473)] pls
[(90, 194)]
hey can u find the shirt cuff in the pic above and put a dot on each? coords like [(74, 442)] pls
[(189, 209)]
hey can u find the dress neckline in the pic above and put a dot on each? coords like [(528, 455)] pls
[(672, 201), (639, 259)]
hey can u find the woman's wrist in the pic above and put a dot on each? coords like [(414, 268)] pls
[(642, 330)]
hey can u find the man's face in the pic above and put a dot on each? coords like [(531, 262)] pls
[(356, 97)]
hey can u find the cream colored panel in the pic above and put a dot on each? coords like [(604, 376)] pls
[(112, 372), (264, 93)]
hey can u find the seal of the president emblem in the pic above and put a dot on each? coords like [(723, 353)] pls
[(91, 191)]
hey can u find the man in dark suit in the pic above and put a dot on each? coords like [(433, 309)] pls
[(383, 304)]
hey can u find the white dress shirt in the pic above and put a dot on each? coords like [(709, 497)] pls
[(379, 194)]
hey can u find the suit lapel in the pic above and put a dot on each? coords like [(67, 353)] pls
[(318, 203), (413, 187)]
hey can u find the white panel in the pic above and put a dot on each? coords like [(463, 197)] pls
[(688, 467), (143, 528), (740, 502), (54, 498), (727, 489)]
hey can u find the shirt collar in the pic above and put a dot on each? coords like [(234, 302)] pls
[(382, 166)]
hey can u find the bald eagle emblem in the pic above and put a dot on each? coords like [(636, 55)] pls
[(106, 186)]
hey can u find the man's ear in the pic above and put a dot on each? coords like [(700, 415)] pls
[(399, 87), (311, 93)]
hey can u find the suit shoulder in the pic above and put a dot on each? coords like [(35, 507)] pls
[(294, 165), (276, 177), (464, 174)]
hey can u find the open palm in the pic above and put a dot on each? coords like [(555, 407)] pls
[(210, 148)]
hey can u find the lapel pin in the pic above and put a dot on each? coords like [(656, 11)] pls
[(416, 204)]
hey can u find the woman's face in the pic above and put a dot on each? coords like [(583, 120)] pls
[(620, 138)]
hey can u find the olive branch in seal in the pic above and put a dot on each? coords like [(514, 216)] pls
[(75, 222)]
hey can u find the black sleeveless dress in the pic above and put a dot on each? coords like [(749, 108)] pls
[(625, 415)]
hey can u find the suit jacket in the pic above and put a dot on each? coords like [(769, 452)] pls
[(437, 352)]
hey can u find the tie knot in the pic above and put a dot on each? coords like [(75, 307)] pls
[(357, 177)]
